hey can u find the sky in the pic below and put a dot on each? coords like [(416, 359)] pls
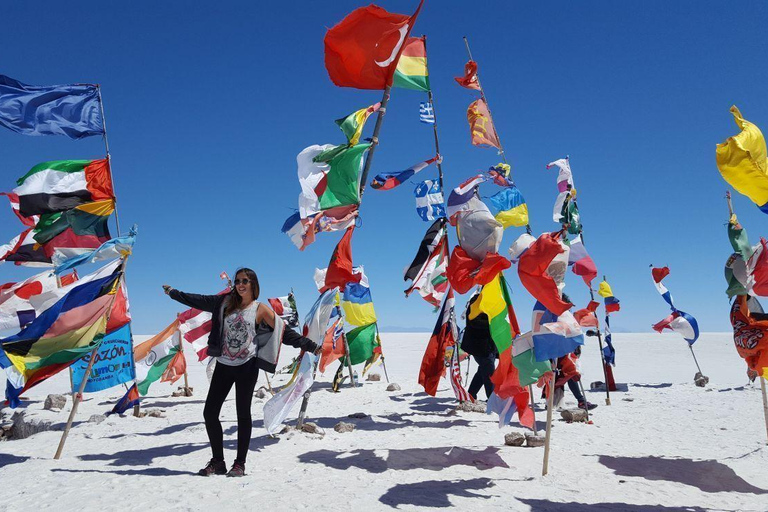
[(208, 104)]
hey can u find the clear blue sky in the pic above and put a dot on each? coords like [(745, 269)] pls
[(208, 105)]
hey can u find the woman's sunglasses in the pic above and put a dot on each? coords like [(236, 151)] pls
[(241, 281)]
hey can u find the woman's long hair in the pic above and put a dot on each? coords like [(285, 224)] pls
[(234, 300)]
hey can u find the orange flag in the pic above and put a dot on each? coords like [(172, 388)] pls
[(481, 126), (175, 369)]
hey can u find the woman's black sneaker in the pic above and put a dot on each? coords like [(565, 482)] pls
[(238, 469), (588, 406), (214, 467)]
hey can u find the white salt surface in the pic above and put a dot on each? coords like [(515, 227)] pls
[(664, 444)]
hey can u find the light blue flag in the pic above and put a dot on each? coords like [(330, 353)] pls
[(118, 247), (113, 364)]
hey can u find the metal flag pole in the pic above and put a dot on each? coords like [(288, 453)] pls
[(602, 355), (78, 397), (109, 157)]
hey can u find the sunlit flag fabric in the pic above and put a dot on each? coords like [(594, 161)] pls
[(554, 336), (679, 321), (333, 343), (65, 258), (469, 80), (363, 49), (59, 336), (83, 227), (195, 327), (362, 341), (285, 308), (750, 335), (388, 180), (757, 270), (61, 185), (443, 336), (533, 270), (428, 270), (411, 71), (482, 131), (743, 161), (565, 210), (495, 302), (154, 357), (357, 303), (352, 125), (15, 309), (315, 327), (302, 232), (70, 110), (586, 317), (462, 198), (429, 200), (340, 271), (454, 375), (611, 303), (740, 282), (113, 364), (128, 400), (511, 209), (580, 262), (426, 112), (464, 272)]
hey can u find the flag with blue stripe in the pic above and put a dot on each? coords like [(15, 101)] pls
[(426, 113)]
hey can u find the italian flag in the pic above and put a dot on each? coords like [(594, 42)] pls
[(159, 358), (411, 72), (61, 185)]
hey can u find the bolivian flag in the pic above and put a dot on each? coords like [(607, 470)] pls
[(61, 335), (411, 72)]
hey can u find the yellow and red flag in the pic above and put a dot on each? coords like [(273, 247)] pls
[(481, 125)]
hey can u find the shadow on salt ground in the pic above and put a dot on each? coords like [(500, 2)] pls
[(146, 456), (7, 459), (394, 422), (130, 472), (653, 386), (433, 459), (740, 388), (434, 493), (707, 475), (169, 403), (620, 388), (554, 506), (432, 404), (171, 429)]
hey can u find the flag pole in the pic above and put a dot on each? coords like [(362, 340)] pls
[(181, 349), (346, 347), (533, 410), (602, 355), (482, 95), (490, 114), (765, 401), (374, 139), (109, 156), (305, 400), (79, 396), (381, 348), (550, 406)]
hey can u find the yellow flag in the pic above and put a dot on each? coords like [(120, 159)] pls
[(604, 290), (743, 161)]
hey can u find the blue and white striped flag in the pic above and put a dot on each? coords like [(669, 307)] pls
[(426, 113), (429, 200)]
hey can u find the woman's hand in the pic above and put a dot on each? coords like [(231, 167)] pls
[(167, 289)]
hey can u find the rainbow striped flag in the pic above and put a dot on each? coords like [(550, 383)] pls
[(69, 329), (411, 72)]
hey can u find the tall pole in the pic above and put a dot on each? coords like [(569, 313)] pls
[(187, 392), (550, 406), (602, 355), (533, 410), (374, 139), (109, 157), (482, 95), (78, 397), (765, 402)]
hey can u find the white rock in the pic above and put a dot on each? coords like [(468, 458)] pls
[(571, 415), (55, 402), (534, 441), (342, 427), (393, 387), (373, 377), (514, 439), (96, 418), (27, 423)]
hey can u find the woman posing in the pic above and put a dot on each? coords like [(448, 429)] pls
[(245, 337)]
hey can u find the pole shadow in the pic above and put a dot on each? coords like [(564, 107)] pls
[(435, 493)]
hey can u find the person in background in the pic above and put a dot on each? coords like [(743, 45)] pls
[(477, 342), (568, 372), (245, 337)]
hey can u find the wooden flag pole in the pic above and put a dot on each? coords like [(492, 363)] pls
[(187, 391), (78, 397), (305, 400), (550, 406), (533, 410), (340, 311), (602, 355), (765, 402)]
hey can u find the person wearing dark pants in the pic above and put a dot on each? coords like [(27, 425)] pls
[(477, 342), (245, 337)]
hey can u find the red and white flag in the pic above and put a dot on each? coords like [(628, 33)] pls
[(455, 376)]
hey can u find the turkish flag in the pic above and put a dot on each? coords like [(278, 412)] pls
[(362, 50)]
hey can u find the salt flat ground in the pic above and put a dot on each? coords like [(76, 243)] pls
[(663, 444)]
